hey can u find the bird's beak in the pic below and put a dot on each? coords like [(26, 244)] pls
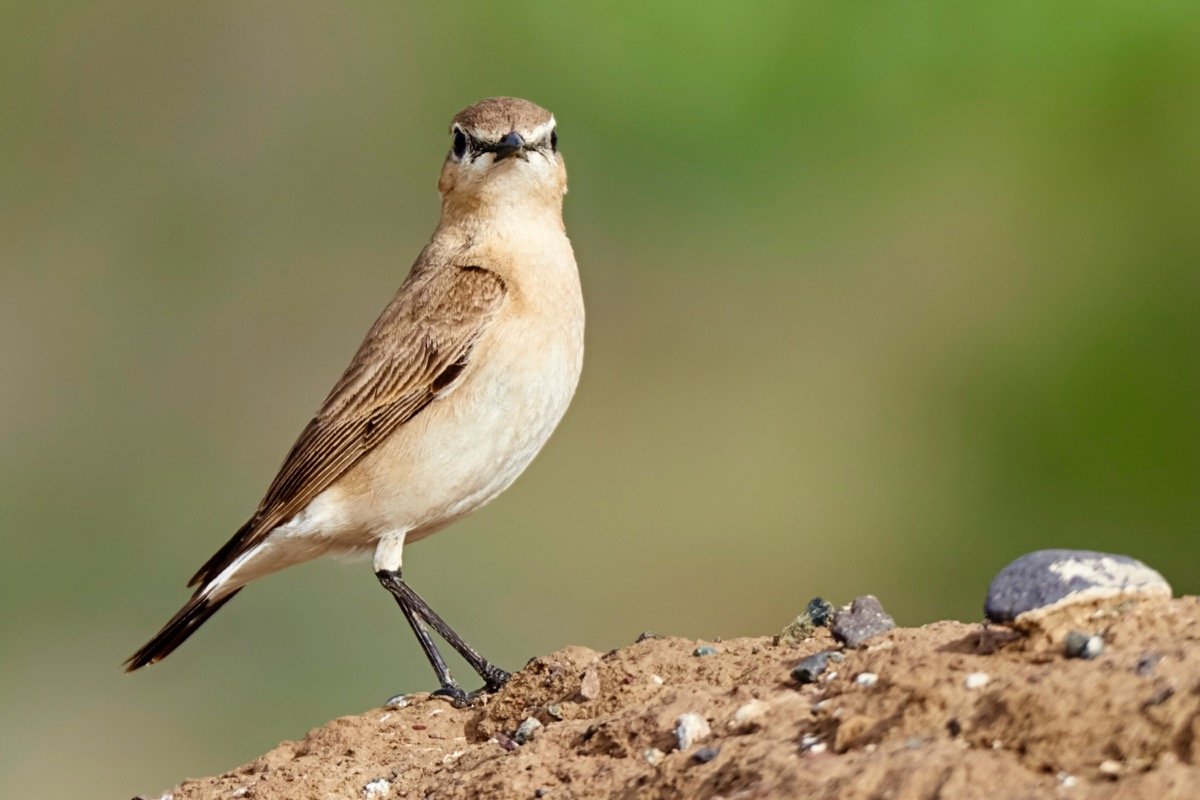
[(511, 143)]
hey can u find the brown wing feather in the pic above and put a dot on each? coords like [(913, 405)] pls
[(420, 343)]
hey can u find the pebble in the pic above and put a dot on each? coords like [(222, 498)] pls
[(749, 712), (397, 701), (1110, 767), (819, 610), (977, 680), (811, 743), (867, 679), (808, 670), (860, 621), (647, 635), (657, 680), (526, 730), (704, 650), (653, 756), (541, 791), (1082, 645), (689, 729), (1047, 579), (554, 711), (589, 686), (706, 754), (376, 788)]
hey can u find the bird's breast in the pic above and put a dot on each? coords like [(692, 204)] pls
[(470, 444)]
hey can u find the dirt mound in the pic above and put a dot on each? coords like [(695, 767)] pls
[(949, 710)]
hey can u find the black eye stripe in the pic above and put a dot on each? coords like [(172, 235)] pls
[(464, 143)]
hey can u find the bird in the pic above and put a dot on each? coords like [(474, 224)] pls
[(456, 387)]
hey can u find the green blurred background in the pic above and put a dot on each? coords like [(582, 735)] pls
[(879, 298)]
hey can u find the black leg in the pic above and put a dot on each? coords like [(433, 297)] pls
[(417, 611), (449, 687)]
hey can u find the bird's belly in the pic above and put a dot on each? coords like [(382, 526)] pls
[(466, 447)]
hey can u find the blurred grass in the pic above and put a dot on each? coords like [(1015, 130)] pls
[(878, 299)]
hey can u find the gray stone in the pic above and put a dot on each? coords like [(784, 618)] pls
[(527, 729), (808, 670), (863, 619), (1048, 579)]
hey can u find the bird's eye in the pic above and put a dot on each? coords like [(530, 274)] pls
[(460, 143), (554, 140)]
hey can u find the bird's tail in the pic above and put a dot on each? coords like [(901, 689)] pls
[(185, 622)]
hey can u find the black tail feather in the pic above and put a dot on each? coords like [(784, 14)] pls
[(222, 558), (193, 614)]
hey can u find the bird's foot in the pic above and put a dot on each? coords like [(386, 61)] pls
[(457, 697)]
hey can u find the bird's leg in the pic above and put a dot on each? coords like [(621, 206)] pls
[(449, 687), (493, 677)]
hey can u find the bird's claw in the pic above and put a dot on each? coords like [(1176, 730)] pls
[(457, 697)]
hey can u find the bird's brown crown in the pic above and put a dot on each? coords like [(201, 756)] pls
[(493, 117)]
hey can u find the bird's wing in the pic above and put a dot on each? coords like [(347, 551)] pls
[(419, 345)]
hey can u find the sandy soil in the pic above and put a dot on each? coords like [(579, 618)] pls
[(954, 710)]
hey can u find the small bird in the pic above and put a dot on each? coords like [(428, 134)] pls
[(454, 390)]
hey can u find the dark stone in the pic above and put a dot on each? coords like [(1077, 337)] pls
[(808, 670), (1047, 578), (819, 611), (863, 619), (706, 754)]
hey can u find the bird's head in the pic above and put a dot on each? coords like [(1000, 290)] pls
[(503, 150)]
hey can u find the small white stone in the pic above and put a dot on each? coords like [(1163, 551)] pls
[(653, 756), (809, 741), (689, 729), (241, 791), (1066, 780), (818, 748), (977, 680), (748, 712), (1110, 767), (376, 789), (656, 680), (867, 679)]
